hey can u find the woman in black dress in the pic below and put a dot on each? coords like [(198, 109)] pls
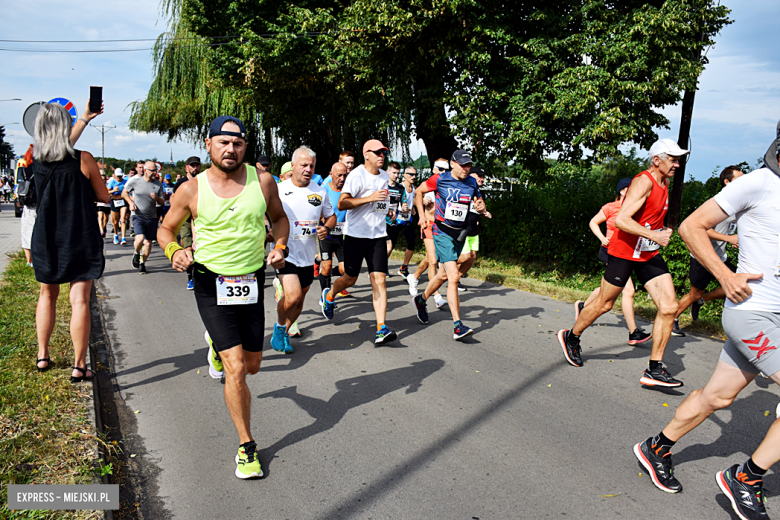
[(66, 244)]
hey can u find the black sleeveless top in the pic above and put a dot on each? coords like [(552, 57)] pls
[(66, 243)]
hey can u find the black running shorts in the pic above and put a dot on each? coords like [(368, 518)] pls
[(410, 234), (392, 234), (229, 325), (603, 255), (619, 270), (305, 274), (372, 250), (330, 247), (699, 275)]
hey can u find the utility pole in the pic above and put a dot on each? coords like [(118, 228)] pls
[(103, 129)]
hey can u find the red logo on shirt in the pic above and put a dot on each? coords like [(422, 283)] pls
[(760, 349)]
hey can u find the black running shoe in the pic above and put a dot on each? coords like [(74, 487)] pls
[(695, 306), (422, 312), (571, 348), (659, 377), (142, 269), (676, 330), (136, 260), (638, 336), (658, 464), (578, 306), (746, 496)]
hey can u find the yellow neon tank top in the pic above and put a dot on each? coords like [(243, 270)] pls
[(229, 234)]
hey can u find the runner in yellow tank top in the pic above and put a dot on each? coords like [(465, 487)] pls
[(228, 204)]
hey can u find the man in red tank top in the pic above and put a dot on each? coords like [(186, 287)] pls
[(634, 248)]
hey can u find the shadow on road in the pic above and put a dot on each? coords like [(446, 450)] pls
[(351, 393)]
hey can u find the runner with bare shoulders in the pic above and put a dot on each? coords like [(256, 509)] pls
[(228, 204), (634, 248)]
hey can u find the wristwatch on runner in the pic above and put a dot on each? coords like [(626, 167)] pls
[(285, 249)]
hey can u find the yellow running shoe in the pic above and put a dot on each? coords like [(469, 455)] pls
[(247, 463), (279, 294)]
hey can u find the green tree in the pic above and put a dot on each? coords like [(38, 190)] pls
[(6, 150), (518, 82)]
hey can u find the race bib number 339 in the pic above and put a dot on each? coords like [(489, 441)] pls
[(237, 290)]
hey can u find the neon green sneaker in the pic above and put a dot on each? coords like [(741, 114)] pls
[(279, 294), (216, 370), (247, 463), (294, 331)]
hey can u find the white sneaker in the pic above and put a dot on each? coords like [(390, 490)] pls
[(412, 284), (440, 301)]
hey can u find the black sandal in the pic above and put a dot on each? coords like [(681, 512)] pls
[(83, 377), (44, 369)]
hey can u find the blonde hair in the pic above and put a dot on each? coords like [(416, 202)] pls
[(52, 134)]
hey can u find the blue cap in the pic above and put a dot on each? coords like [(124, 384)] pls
[(216, 127), (168, 176)]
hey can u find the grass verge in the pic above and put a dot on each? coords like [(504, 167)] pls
[(46, 432), (548, 281)]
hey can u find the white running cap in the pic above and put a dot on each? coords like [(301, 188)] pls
[(667, 146), (442, 165), (118, 172)]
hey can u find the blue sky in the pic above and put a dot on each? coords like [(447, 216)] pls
[(736, 110)]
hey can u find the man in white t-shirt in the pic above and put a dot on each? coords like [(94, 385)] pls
[(721, 235), (751, 319), (305, 203), (365, 196)]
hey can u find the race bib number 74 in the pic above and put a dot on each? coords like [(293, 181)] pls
[(237, 290)]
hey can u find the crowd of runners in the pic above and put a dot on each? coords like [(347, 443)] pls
[(224, 228)]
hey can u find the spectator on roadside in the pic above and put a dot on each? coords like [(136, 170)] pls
[(66, 245), (28, 212)]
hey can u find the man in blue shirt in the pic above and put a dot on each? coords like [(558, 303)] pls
[(334, 243), (118, 205), (456, 192)]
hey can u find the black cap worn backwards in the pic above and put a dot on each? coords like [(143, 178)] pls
[(477, 170), (461, 157), (264, 160), (216, 127), (193, 160)]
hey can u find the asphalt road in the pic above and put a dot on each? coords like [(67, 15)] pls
[(496, 427)]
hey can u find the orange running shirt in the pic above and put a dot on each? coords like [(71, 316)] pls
[(651, 215), (610, 210)]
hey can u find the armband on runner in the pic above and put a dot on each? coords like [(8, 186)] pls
[(171, 249)]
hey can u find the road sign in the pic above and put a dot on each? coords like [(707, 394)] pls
[(29, 116), (70, 107)]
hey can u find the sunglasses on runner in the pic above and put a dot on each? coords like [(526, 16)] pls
[(378, 152), (153, 171)]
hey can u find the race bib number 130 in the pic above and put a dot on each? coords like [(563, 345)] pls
[(455, 212), (237, 290)]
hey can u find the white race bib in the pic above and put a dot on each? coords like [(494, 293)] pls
[(455, 212), (645, 244), (732, 228), (237, 290), (304, 229), (338, 229), (118, 203), (380, 206)]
